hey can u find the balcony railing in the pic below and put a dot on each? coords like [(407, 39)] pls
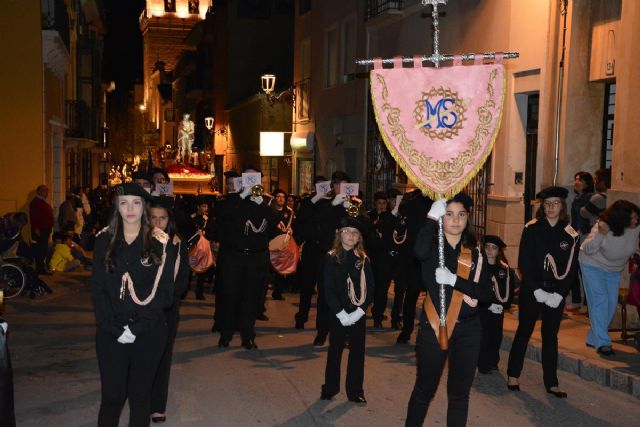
[(82, 121), (377, 7)]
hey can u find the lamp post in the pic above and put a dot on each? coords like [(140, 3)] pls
[(268, 83)]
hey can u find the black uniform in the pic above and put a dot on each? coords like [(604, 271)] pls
[(335, 274), (245, 265), (317, 223), (389, 250), (160, 391), (464, 343), (539, 238), (414, 209), (492, 322), (128, 370)]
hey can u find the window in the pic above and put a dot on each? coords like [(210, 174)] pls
[(607, 127), (169, 5), (194, 7), (331, 57), (348, 49)]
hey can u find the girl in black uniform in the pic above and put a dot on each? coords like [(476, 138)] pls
[(492, 311), (548, 260), (466, 278), (131, 283), (348, 284), (161, 216)]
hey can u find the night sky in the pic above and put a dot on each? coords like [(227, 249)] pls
[(123, 43)]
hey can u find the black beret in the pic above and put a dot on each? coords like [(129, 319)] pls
[(380, 195), (392, 193), (250, 166), (463, 199), (491, 238), (553, 191), (339, 176), (141, 175), (231, 174), (349, 221), (162, 201), (164, 173), (131, 189), (201, 200), (278, 191), (319, 178)]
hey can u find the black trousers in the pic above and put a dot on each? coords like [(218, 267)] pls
[(355, 335), (242, 288), (530, 310), (219, 303), (40, 249), (491, 339), (388, 268), (311, 266), (160, 389), (464, 346), (127, 371), (414, 286)]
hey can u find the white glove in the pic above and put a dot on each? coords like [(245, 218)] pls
[(127, 337), (356, 315), (438, 209), (257, 200), (496, 308), (445, 277), (541, 296), (4, 326), (394, 212), (339, 199), (554, 300), (245, 192), (317, 197), (344, 318)]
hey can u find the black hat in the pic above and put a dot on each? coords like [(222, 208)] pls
[(319, 178), (279, 191), (164, 173), (380, 195), (162, 201), (491, 238), (250, 166), (553, 191), (464, 199), (201, 200), (349, 221), (392, 193), (141, 175), (339, 176), (231, 174), (131, 189)]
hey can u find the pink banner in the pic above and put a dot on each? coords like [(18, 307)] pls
[(439, 123)]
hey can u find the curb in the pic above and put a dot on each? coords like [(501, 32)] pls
[(594, 370)]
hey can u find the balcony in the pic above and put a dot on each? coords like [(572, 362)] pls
[(82, 121), (377, 9)]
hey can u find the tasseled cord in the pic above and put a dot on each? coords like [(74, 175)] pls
[(127, 282), (363, 288)]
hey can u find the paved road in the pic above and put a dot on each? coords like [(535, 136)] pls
[(57, 382)]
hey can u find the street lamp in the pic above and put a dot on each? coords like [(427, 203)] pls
[(209, 122), (268, 85)]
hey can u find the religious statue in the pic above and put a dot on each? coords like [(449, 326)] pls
[(186, 132)]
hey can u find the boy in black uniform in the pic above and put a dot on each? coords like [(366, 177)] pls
[(250, 225), (548, 260)]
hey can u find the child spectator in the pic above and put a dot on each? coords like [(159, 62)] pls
[(67, 256)]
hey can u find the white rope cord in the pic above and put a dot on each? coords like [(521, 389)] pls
[(249, 224), (128, 282), (363, 289), (550, 262), (401, 240)]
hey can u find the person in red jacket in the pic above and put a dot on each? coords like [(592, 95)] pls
[(41, 216)]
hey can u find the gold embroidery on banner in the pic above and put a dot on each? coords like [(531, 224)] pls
[(441, 173), (456, 110)]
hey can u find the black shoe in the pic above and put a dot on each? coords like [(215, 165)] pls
[(215, 328), (606, 350), (262, 317), (402, 339), (513, 387), (299, 325), (377, 325), (158, 418), (223, 342), (559, 394), (590, 346), (319, 340), (396, 324), (249, 344), (277, 297), (358, 399)]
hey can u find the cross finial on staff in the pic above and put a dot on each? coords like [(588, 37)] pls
[(436, 29)]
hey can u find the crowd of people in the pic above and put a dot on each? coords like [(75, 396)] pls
[(149, 247)]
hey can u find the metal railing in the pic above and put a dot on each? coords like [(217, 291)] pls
[(377, 7), (478, 190)]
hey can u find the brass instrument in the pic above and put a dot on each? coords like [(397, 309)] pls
[(353, 210), (257, 190), (330, 194)]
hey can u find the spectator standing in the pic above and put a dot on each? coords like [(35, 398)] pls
[(67, 214), (583, 187), (598, 201), (41, 216), (603, 256)]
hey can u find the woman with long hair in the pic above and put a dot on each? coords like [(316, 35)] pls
[(603, 256), (348, 284), (466, 281), (548, 260), (492, 311), (131, 283), (161, 216)]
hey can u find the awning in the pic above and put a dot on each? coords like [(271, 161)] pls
[(302, 141)]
